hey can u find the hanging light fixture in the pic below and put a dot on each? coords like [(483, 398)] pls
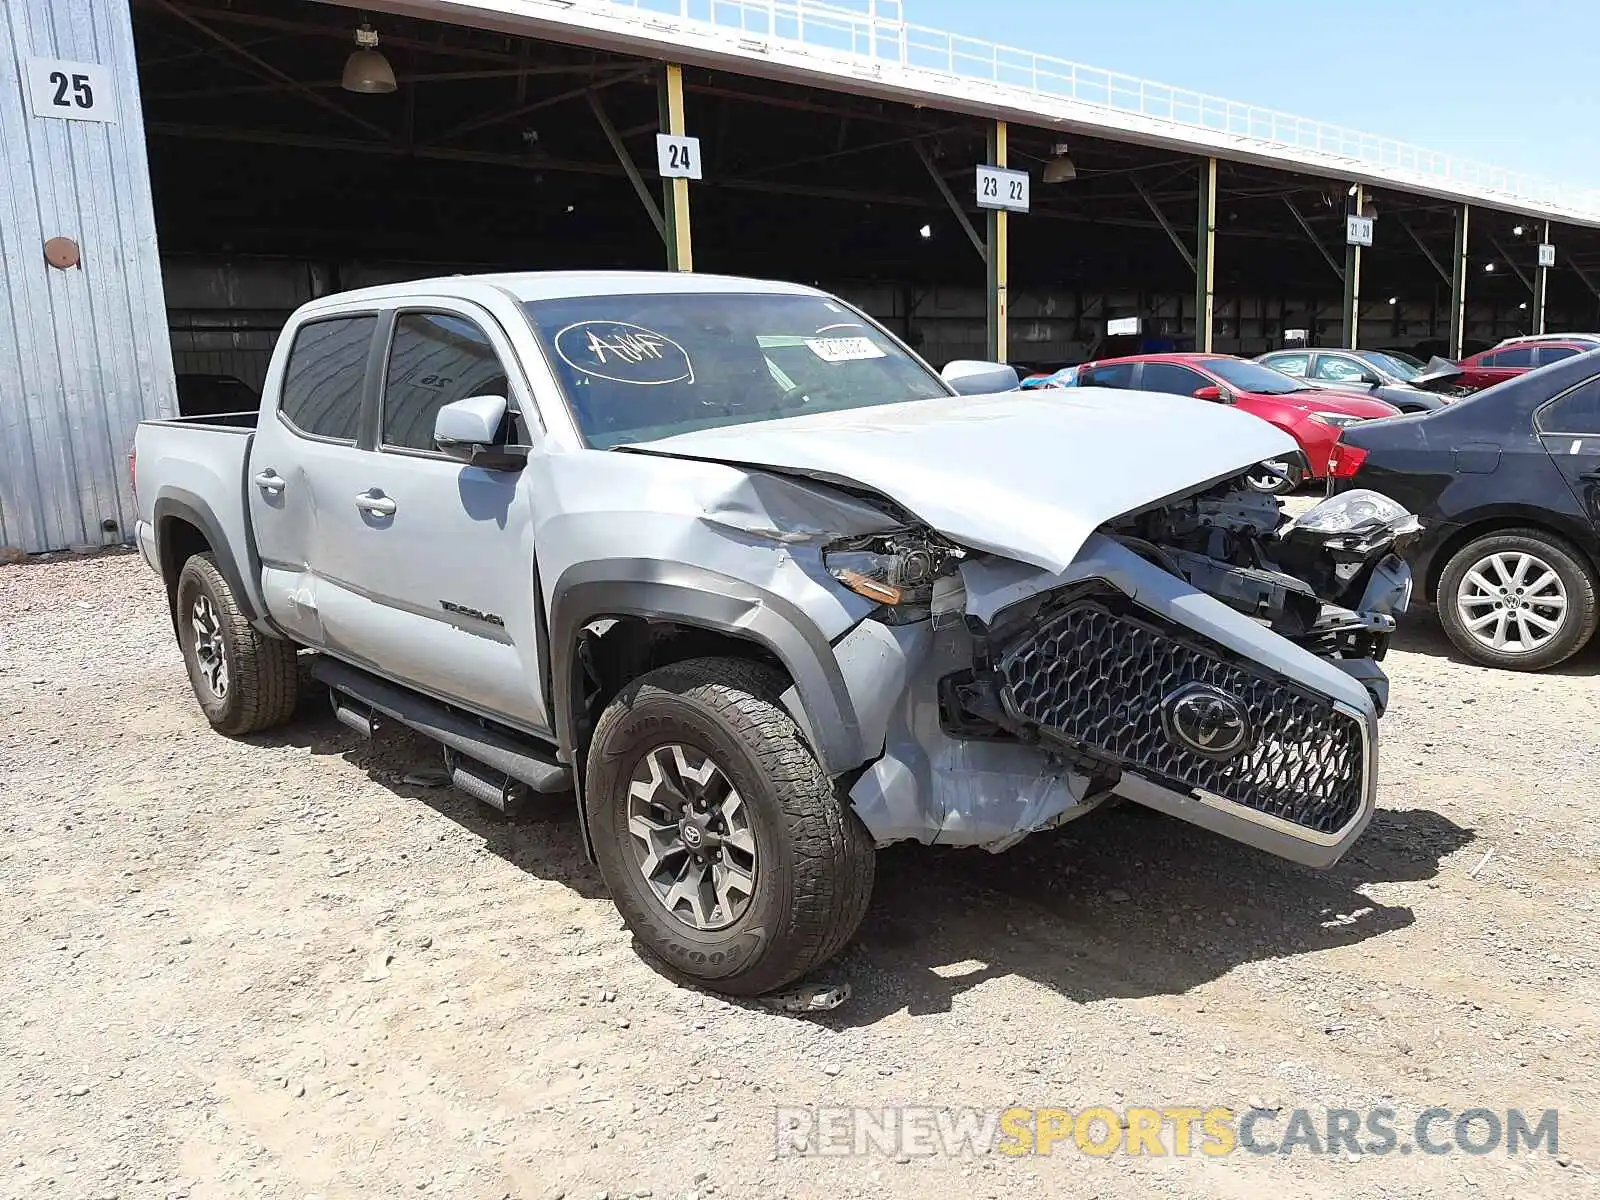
[(1060, 168), (366, 70)]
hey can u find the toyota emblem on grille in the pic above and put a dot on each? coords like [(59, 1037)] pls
[(1207, 721)]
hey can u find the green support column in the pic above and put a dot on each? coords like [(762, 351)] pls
[(1540, 279), (999, 253), (675, 192), (1458, 282), (1205, 274), (1352, 282)]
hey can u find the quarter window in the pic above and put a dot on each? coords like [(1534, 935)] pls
[(435, 359), (1576, 412), (324, 378)]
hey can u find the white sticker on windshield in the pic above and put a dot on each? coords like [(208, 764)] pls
[(846, 349)]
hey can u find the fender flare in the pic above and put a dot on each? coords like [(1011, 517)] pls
[(183, 505), (691, 595)]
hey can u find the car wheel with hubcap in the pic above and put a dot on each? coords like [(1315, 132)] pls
[(245, 681), (1521, 599), (1274, 478), (733, 857)]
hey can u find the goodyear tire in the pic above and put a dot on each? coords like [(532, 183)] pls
[(733, 857), (245, 682)]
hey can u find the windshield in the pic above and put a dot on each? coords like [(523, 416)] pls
[(1253, 377), (638, 368), (1389, 364)]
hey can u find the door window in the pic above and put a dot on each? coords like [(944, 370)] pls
[(434, 360), (1171, 379), (1520, 356), (1338, 370), (1550, 354), (1116, 375), (1576, 412), (325, 377), (1290, 364)]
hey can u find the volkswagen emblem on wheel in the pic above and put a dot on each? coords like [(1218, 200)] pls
[(1207, 721)]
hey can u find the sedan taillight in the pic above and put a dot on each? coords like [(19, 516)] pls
[(1345, 460)]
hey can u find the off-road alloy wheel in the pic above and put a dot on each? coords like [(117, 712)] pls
[(1521, 599), (245, 682), (732, 856)]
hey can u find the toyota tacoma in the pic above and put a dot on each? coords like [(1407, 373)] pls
[(729, 564)]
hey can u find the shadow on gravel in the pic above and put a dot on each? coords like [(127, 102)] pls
[(542, 839), (1123, 904), (1421, 633)]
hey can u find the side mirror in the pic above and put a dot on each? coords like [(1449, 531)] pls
[(1212, 393), (972, 378), (469, 431)]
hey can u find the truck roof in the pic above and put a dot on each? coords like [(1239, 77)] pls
[(548, 285)]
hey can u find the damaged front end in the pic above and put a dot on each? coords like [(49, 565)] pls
[(1207, 657)]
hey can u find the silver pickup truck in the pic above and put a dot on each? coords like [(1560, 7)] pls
[(729, 563)]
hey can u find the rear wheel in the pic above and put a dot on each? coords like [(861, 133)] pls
[(1521, 599), (732, 856), (245, 682)]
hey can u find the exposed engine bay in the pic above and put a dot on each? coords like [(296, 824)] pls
[(1323, 581)]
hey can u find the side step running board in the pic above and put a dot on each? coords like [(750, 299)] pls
[(522, 760)]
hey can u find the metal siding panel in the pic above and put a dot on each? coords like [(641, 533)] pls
[(84, 353)]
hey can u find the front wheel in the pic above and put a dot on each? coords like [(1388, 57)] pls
[(1275, 478), (735, 860), (1520, 599)]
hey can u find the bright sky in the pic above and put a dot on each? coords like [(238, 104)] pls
[(1514, 83)]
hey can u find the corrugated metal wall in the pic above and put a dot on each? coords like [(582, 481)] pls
[(84, 352)]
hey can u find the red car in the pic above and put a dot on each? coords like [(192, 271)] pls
[(1311, 415), (1510, 359)]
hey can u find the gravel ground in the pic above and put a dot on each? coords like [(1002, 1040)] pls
[(273, 968)]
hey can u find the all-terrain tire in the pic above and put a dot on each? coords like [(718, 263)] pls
[(1577, 581), (814, 860), (260, 682)]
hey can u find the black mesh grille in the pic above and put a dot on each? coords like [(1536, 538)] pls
[(1097, 679)]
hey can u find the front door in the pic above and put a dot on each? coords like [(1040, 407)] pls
[(438, 555)]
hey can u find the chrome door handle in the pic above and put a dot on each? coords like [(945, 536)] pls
[(270, 481), (376, 503)]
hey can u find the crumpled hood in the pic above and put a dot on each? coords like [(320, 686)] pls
[(1027, 475)]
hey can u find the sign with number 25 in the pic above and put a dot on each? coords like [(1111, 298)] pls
[(73, 91)]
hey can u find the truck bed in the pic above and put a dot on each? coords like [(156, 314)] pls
[(195, 469)]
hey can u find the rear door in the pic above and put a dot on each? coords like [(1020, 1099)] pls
[(1569, 427), (438, 556), (309, 437)]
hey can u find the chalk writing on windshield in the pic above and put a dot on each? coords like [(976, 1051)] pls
[(624, 353)]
